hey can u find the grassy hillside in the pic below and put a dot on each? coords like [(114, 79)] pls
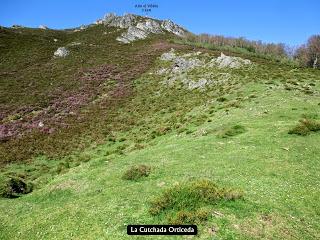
[(138, 151)]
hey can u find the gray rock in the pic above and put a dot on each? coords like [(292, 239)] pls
[(162, 71), (169, 56), (132, 34), (43, 27), (183, 64), (230, 62), (61, 52), (83, 27), (172, 27), (15, 26), (125, 21), (200, 84), (74, 44), (139, 27), (150, 26)]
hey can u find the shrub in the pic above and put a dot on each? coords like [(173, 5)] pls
[(305, 127), (191, 197), (14, 187), (136, 172)]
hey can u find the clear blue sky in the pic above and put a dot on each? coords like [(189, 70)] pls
[(288, 21)]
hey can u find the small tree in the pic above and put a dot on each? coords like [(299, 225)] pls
[(314, 50), (309, 54)]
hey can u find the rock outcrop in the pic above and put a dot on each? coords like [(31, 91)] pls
[(198, 71), (139, 27), (132, 34), (43, 27), (125, 21), (15, 26), (172, 27), (61, 52), (230, 62)]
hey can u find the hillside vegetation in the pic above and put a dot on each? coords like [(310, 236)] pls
[(154, 132)]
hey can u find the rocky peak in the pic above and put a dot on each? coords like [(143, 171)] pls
[(139, 27), (125, 21)]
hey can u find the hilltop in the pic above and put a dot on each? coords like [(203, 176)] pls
[(119, 123)]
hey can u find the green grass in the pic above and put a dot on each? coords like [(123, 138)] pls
[(191, 139), (278, 172)]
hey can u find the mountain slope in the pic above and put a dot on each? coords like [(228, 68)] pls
[(189, 114)]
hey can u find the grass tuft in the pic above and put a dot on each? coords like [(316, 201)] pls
[(134, 173), (189, 217), (232, 131), (305, 127)]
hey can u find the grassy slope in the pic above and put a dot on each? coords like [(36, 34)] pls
[(32, 80), (279, 173), (281, 186)]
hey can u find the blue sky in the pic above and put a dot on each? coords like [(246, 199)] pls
[(288, 21)]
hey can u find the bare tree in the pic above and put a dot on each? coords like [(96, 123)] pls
[(309, 54)]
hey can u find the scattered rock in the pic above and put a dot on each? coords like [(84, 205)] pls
[(74, 44), (55, 40), (61, 52), (182, 66), (162, 71), (200, 84), (169, 56)]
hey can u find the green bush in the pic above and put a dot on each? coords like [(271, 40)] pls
[(305, 127), (136, 172), (15, 187)]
